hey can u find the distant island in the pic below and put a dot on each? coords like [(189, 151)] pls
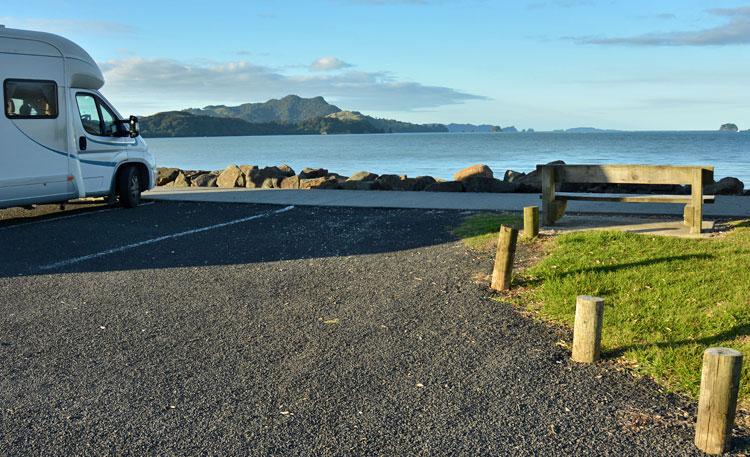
[(729, 128), (483, 128), (585, 130), (290, 115)]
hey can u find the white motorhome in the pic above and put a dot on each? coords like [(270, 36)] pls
[(60, 139)]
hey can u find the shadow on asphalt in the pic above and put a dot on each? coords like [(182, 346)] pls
[(186, 234)]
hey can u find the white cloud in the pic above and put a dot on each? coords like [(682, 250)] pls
[(328, 63), (734, 31), (149, 85), (65, 26)]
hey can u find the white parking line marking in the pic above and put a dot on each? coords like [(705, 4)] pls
[(74, 260), (70, 216)]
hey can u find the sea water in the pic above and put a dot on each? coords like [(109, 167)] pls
[(442, 154)]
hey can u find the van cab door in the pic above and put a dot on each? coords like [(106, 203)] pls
[(102, 141)]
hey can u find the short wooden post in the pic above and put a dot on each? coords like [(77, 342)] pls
[(587, 331), (531, 222), (547, 176), (720, 382), (506, 251)]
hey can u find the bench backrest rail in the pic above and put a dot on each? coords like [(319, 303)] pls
[(629, 174)]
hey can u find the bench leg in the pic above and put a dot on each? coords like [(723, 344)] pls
[(687, 215), (559, 207), (697, 202)]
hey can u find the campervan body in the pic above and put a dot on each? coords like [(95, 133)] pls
[(60, 139)]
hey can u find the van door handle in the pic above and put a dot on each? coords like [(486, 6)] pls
[(82, 143)]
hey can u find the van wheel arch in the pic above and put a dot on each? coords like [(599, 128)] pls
[(122, 178), (142, 174)]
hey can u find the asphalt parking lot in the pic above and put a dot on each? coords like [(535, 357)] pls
[(184, 328)]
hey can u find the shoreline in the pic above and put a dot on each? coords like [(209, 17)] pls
[(478, 178)]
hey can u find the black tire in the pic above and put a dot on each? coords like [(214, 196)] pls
[(129, 187)]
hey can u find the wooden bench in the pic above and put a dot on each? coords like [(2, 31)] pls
[(554, 203)]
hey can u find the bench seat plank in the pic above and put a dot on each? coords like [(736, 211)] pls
[(630, 198)]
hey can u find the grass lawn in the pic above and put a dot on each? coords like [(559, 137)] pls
[(667, 299)]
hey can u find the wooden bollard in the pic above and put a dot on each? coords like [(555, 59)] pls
[(530, 222), (587, 330), (720, 382), (506, 251)]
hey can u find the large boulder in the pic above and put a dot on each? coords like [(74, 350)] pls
[(389, 182), (180, 181), (292, 182), (339, 178), (204, 180), (408, 183), (310, 173), (324, 182), (286, 170), (192, 174), (357, 185), (474, 170), (232, 176), (250, 172), (363, 176), (260, 176), (166, 175), (512, 176), (422, 182), (482, 184), (445, 186), (532, 182), (725, 186), (271, 183)]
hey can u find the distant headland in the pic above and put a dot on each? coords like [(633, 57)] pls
[(290, 115), (294, 115)]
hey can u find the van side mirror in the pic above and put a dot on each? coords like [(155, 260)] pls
[(133, 123)]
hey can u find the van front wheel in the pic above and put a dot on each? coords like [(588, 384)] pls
[(129, 187)]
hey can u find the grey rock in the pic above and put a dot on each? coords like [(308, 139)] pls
[(445, 186), (357, 185), (725, 186), (474, 170), (292, 182), (166, 175), (204, 180), (422, 182), (323, 182), (532, 182), (363, 176), (389, 182), (512, 176), (310, 173), (482, 184), (232, 176)]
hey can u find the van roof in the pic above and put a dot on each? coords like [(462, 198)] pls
[(85, 74)]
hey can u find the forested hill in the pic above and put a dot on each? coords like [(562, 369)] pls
[(291, 115), (291, 109)]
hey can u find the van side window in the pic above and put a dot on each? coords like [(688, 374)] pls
[(90, 119), (111, 126), (97, 118), (30, 99)]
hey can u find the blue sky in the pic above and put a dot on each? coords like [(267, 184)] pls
[(541, 64)]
